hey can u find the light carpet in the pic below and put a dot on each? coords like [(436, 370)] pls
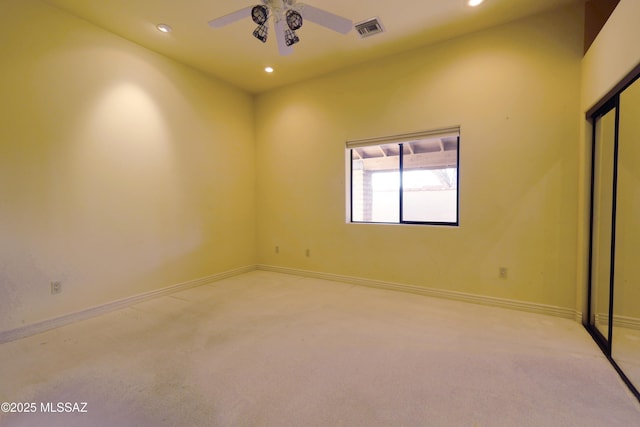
[(269, 349)]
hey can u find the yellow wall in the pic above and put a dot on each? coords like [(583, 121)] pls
[(515, 92), (120, 171)]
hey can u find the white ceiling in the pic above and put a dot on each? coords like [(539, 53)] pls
[(234, 55)]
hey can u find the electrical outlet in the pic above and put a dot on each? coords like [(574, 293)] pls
[(56, 288), (277, 249), (308, 253), (503, 272)]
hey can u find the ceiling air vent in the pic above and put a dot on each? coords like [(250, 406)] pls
[(369, 27)]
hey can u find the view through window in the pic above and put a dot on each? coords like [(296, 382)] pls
[(408, 179)]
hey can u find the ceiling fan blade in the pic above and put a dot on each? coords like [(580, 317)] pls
[(231, 18), (324, 18), (282, 43)]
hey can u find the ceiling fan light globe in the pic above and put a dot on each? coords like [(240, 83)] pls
[(294, 20), (290, 38), (261, 33), (259, 14)]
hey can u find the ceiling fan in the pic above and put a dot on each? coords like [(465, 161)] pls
[(288, 16)]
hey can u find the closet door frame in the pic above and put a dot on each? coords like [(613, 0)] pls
[(603, 341)]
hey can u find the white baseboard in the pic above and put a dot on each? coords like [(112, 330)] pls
[(626, 322), (438, 293), (619, 321), (38, 327)]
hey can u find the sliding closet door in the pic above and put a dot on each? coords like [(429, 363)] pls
[(603, 204), (614, 280), (625, 342)]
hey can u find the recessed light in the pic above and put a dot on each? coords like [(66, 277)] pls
[(269, 70), (164, 28), (474, 3)]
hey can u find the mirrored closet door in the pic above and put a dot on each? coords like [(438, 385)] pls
[(614, 282), (625, 342), (602, 219)]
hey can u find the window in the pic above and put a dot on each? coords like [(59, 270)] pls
[(405, 179)]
